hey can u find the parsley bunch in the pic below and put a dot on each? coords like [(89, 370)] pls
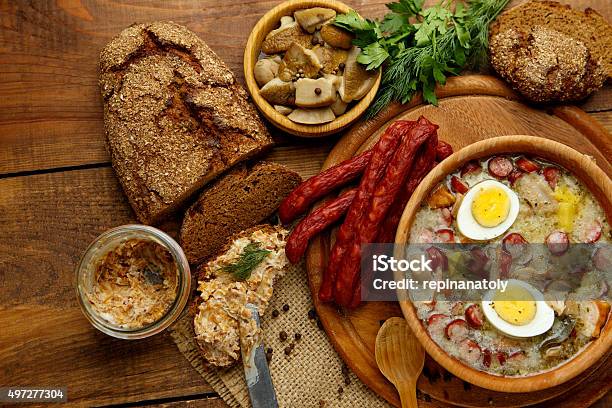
[(421, 47)]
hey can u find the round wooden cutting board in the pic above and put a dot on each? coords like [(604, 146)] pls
[(471, 108)]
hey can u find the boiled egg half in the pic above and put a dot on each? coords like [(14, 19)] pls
[(487, 211), (519, 311)]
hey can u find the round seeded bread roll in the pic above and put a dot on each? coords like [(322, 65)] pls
[(551, 53)]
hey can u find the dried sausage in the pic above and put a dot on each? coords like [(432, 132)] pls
[(438, 258), (514, 175), (593, 233), (315, 222), (443, 150), (517, 356), (518, 247), (528, 166), (557, 242), (381, 154), (434, 317), (470, 167), (382, 197), (505, 263), (423, 165), (501, 357), (474, 316), (486, 358), (316, 187), (500, 167), (470, 350), (457, 330), (478, 260), (458, 186), (551, 174)]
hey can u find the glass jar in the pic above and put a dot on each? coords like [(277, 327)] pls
[(111, 239)]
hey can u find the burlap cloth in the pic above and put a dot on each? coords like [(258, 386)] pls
[(309, 377)]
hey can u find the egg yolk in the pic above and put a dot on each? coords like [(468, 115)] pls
[(515, 305), (490, 206)]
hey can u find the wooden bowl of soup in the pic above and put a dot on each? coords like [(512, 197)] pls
[(296, 64), (563, 198)]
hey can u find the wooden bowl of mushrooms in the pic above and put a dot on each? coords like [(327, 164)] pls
[(302, 71)]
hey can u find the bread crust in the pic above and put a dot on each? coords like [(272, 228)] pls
[(550, 52), (175, 118)]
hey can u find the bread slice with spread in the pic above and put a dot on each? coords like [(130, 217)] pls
[(243, 272)]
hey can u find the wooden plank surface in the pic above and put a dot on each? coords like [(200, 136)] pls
[(45, 338), (51, 122), (51, 114)]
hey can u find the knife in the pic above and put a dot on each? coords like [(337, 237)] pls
[(256, 372)]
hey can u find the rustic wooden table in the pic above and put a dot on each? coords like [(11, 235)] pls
[(58, 191)]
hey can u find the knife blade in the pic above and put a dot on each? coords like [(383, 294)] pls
[(257, 373)]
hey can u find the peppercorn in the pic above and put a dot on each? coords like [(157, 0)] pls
[(347, 381), (312, 314), (342, 65), (318, 91), (275, 313), (297, 336), (288, 350), (340, 390), (285, 307), (282, 335)]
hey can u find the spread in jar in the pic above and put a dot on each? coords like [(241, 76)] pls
[(135, 284)]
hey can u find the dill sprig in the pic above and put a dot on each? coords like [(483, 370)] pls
[(421, 47), (251, 256)]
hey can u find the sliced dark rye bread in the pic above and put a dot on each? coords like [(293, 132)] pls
[(244, 197), (588, 26)]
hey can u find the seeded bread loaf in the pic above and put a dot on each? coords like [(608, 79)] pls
[(551, 53), (175, 118), (239, 200)]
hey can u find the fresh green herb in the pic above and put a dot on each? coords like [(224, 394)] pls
[(248, 260), (421, 47)]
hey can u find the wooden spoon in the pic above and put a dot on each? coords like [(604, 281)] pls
[(400, 357)]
